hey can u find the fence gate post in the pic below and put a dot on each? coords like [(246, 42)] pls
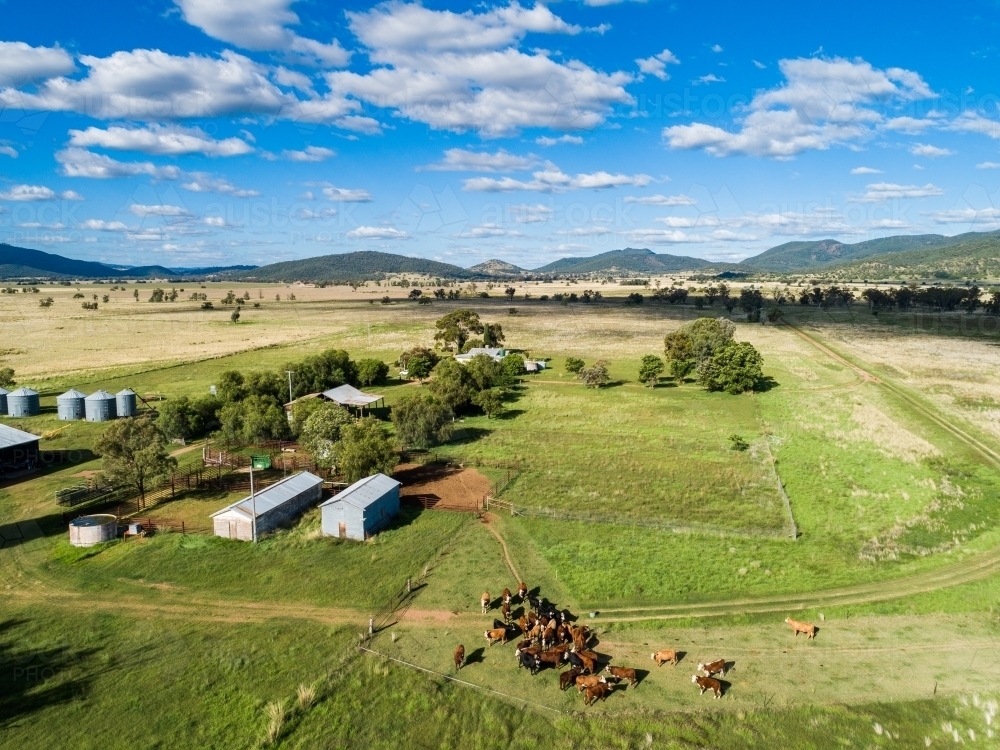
[(371, 626), (408, 586)]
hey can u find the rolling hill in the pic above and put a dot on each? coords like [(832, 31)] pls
[(497, 268), (638, 260), (975, 255), (20, 262), (360, 265)]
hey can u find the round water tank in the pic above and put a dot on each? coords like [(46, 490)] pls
[(70, 405), (86, 531), (100, 407), (22, 403), (3, 400), (125, 402)]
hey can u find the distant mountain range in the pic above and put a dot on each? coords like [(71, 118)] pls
[(20, 262), (970, 255)]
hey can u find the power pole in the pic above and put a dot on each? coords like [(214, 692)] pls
[(290, 373)]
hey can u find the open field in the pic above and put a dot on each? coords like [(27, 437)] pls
[(634, 505)]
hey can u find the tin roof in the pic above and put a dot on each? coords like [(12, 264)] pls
[(277, 494), (11, 437), (101, 395), (365, 491), (4, 391), (23, 392), (348, 394), (72, 393), (125, 392)]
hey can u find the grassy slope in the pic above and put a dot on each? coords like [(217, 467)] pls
[(123, 683), (977, 257)]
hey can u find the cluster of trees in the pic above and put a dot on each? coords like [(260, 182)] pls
[(454, 332), (248, 407), (706, 347), (935, 298), (595, 376)]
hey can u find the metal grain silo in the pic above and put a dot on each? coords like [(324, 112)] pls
[(125, 401), (3, 400), (71, 405), (100, 406), (23, 403)]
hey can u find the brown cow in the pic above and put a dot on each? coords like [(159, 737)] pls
[(663, 656), (522, 646), (624, 673), (496, 635), (714, 667), (596, 693), (583, 661), (485, 600), (580, 636), (505, 611), (551, 656), (802, 627), (506, 597), (522, 591), (459, 657), (585, 681), (568, 678), (707, 683)]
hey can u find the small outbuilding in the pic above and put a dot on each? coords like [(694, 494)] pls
[(275, 506), (363, 509), (18, 450), (125, 403), (348, 395)]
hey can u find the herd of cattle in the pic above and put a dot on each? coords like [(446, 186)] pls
[(549, 639)]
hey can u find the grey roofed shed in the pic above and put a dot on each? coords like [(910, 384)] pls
[(18, 449), (275, 505), (362, 509), (70, 405), (348, 395)]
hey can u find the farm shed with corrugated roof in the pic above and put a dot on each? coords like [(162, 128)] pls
[(363, 509), (275, 506)]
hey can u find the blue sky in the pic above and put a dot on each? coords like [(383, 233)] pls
[(204, 132)]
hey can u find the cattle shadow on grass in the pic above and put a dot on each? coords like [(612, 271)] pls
[(476, 657), (640, 675)]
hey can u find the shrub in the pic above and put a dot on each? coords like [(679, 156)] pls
[(650, 369), (489, 400), (737, 443), (574, 365), (735, 368), (372, 371), (451, 384), (596, 375)]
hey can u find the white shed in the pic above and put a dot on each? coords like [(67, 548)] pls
[(275, 505)]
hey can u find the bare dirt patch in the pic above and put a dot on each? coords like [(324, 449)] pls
[(442, 486)]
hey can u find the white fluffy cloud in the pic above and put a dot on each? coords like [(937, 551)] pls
[(104, 226), (160, 140), (973, 122), (261, 25), (657, 64), (78, 162), (310, 154), (160, 209), (866, 170), (926, 149), (464, 71), (554, 180), (21, 63), (153, 85), (346, 195), (460, 160), (988, 165), (965, 216), (823, 102), (25, 193), (377, 233), (574, 140), (661, 200), (8, 151), (882, 191), (205, 183)]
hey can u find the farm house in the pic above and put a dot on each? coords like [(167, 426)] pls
[(495, 354), (362, 509), (18, 450), (275, 505)]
